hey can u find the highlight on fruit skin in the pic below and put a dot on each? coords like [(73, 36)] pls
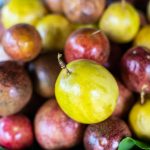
[(88, 94)]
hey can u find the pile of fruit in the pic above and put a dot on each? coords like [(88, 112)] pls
[(74, 74)]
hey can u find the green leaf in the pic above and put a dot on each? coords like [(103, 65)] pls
[(1, 148), (129, 143)]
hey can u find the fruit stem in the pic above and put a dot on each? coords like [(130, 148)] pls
[(96, 32), (62, 64), (123, 3), (143, 94)]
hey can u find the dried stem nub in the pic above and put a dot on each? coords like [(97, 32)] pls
[(96, 32), (143, 94), (62, 64)]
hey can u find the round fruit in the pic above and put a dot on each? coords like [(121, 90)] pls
[(143, 37), (86, 91), (120, 22), (87, 43), (105, 135), (45, 70), (139, 119), (83, 11), (22, 42), (135, 66), (22, 11), (16, 132), (54, 130), (54, 5), (15, 88), (54, 28)]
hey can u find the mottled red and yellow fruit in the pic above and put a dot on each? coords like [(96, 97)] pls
[(87, 92), (22, 42)]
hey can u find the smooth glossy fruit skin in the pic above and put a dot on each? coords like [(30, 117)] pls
[(105, 135), (120, 22), (22, 42), (87, 43), (139, 119), (16, 132), (54, 28), (45, 70), (85, 11), (55, 130), (54, 5), (15, 88), (22, 11), (88, 94), (125, 101), (135, 69), (143, 37)]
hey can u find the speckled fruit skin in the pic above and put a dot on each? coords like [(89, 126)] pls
[(135, 69), (45, 70), (16, 132), (87, 43), (15, 88), (85, 11), (105, 135), (88, 94), (139, 119), (143, 37), (54, 130), (124, 102), (120, 28), (22, 11), (22, 42)]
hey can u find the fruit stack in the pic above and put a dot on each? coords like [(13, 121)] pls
[(74, 74)]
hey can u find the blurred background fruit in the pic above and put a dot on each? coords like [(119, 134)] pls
[(54, 5), (124, 102), (22, 11), (85, 11), (120, 22), (54, 28), (143, 37), (45, 70)]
